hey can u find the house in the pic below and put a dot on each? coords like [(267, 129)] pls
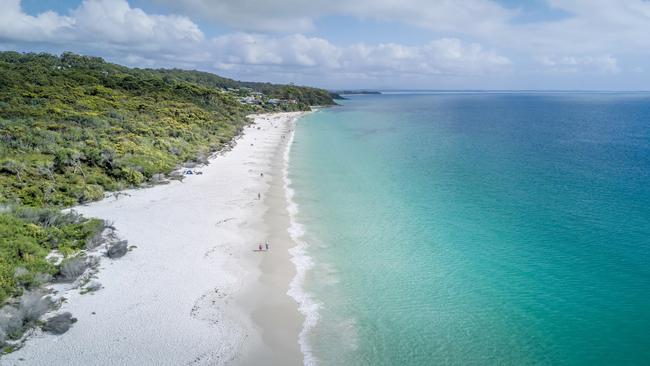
[(249, 100)]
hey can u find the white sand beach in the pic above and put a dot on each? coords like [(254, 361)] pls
[(194, 291)]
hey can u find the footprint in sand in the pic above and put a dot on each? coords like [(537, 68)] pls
[(224, 221), (208, 358), (223, 249), (209, 307)]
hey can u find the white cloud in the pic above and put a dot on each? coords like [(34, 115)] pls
[(102, 23), (299, 15), (447, 56), (253, 15), (573, 64), (589, 27), (15, 25), (467, 16), (114, 21), (293, 50)]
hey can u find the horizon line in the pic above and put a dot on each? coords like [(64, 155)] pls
[(382, 90)]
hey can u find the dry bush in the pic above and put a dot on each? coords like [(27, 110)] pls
[(74, 267)]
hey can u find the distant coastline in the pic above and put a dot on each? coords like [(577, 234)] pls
[(356, 92)]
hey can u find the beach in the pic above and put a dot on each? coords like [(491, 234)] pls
[(195, 289)]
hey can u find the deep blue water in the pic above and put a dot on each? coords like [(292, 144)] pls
[(478, 229)]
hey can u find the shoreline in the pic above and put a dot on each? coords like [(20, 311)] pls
[(302, 262), (277, 315), (194, 291)]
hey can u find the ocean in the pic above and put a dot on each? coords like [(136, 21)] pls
[(474, 229)]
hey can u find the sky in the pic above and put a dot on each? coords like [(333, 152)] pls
[(355, 44)]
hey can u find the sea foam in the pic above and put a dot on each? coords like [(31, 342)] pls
[(303, 262)]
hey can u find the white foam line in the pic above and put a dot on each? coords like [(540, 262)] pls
[(303, 262)]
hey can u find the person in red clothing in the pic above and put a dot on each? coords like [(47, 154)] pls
[(260, 247)]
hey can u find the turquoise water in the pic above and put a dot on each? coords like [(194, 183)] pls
[(477, 229)]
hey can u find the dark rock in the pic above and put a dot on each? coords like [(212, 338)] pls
[(59, 323), (93, 286), (117, 249)]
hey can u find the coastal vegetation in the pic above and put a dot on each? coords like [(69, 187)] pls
[(73, 128), (306, 96)]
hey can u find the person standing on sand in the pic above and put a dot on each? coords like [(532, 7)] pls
[(259, 196), (267, 245), (260, 246)]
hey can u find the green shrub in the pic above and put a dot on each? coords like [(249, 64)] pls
[(92, 192), (132, 176), (28, 236)]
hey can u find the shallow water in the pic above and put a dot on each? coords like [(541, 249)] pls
[(477, 228)]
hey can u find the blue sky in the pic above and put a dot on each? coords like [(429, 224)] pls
[(386, 44)]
